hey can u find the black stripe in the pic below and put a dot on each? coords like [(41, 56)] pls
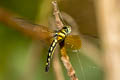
[(61, 36), (63, 32)]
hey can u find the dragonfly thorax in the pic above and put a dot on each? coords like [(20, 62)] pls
[(61, 34)]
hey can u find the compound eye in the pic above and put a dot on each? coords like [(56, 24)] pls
[(65, 27)]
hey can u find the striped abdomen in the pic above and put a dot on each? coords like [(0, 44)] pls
[(50, 53)]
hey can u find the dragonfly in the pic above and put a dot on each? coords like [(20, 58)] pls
[(44, 33)]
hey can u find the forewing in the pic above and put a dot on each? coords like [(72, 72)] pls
[(34, 30), (73, 42)]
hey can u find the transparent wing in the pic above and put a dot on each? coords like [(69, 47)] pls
[(73, 42), (34, 30)]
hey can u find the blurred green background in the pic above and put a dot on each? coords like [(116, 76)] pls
[(15, 47)]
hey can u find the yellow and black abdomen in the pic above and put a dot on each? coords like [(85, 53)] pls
[(59, 37), (50, 53)]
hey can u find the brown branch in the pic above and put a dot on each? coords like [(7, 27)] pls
[(57, 66), (64, 57), (57, 15), (67, 64)]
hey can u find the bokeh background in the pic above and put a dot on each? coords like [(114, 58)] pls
[(18, 52)]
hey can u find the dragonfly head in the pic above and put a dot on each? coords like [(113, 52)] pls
[(67, 29)]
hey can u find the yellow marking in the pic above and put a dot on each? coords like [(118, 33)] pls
[(53, 51), (53, 44), (59, 38), (51, 48), (55, 40), (61, 34), (63, 31), (49, 54), (46, 63), (48, 59)]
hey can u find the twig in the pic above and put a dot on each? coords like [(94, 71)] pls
[(67, 64), (57, 66), (64, 58), (57, 15)]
